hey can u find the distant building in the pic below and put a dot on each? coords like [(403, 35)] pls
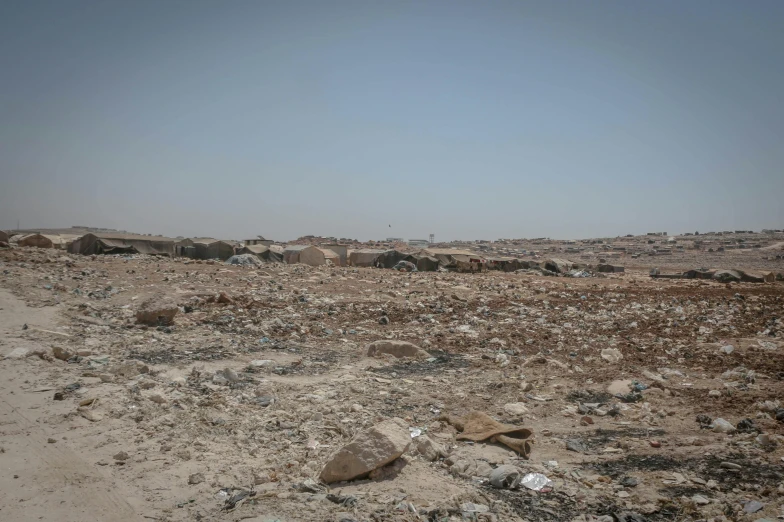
[(419, 243)]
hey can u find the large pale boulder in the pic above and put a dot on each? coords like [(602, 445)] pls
[(371, 449), (397, 348), (157, 311)]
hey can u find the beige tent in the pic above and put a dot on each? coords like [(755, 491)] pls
[(449, 256), (263, 252), (3, 236), (38, 240), (364, 257), (309, 255), (204, 248), (340, 250)]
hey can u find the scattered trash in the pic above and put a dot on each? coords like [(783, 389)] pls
[(237, 499), (576, 445), (477, 426), (536, 482), (343, 500), (505, 477)]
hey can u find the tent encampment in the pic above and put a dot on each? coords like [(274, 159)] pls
[(115, 243)]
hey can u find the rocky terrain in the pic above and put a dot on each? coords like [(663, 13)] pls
[(141, 388)]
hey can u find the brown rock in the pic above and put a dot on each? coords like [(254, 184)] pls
[(121, 456), (429, 449), (397, 348), (371, 449), (61, 353), (157, 311)]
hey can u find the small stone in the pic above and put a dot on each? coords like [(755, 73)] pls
[(62, 353), (383, 320), (90, 415), (727, 349), (526, 386), (356, 408), (586, 420), (515, 409), (51, 441), (196, 478), (621, 387), (753, 506), (611, 355), (121, 456), (722, 426), (396, 348), (261, 478), (714, 393), (629, 482), (655, 444), (157, 399), (429, 449), (700, 500), (731, 465)]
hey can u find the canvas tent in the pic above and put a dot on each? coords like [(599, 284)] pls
[(4, 236), (465, 263), (391, 257), (446, 256), (309, 255), (205, 248), (263, 252), (454, 259), (427, 264), (115, 243), (364, 257), (38, 241)]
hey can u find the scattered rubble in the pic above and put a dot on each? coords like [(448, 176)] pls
[(278, 390)]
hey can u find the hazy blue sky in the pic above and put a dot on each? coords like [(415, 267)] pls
[(464, 119)]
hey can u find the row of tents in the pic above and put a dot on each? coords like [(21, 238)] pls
[(430, 259)]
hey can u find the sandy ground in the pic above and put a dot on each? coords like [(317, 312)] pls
[(154, 431)]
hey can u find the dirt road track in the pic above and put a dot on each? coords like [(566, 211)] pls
[(54, 481)]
